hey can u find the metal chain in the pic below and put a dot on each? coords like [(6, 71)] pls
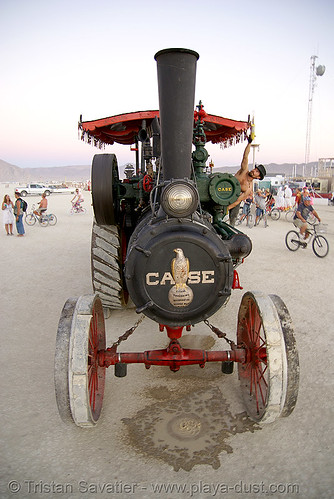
[(220, 334), (213, 328), (128, 332)]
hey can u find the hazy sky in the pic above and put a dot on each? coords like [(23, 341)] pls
[(63, 58)]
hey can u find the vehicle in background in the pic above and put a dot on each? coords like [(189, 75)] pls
[(61, 189), (33, 189)]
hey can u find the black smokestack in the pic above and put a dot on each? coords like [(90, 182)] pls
[(176, 84)]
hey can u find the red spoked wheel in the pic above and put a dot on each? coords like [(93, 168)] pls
[(264, 375), (79, 380), (147, 183)]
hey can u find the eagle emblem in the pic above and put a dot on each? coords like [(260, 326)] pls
[(180, 295)]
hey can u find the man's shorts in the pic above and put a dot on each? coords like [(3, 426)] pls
[(299, 224), (259, 212), (246, 209)]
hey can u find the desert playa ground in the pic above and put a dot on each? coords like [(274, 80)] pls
[(133, 451)]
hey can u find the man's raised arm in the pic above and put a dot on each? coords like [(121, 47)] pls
[(244, 162)]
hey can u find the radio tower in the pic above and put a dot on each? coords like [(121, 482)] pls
[(314, 72)]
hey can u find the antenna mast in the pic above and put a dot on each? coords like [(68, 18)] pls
[(314, 72)]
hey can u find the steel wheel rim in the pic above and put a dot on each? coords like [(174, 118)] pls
[(320, 246), (292, 240), (86, 377), (79, 379), (43, 222), (52, 219), (30, 219), (263, 375), (289, 215), (275, 214), (292, 358)]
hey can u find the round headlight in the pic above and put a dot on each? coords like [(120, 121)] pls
[(179, 199)]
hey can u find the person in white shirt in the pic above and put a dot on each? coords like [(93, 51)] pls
[(280, 198), (287, 197), (78, 198)]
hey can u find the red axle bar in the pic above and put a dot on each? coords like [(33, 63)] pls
[(174, 356)]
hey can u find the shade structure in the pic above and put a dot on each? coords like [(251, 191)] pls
[(124, 128)]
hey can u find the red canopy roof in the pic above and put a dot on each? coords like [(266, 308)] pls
[(123, 128)]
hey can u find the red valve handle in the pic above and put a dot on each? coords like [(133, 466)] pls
[(147, 183)]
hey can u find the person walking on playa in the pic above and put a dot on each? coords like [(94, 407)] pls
[(8, 215), (18, 212)]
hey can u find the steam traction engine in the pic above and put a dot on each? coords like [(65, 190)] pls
[(159, 239)]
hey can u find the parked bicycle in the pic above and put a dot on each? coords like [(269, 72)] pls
[(77, 208), (320, 244), (43, 219)]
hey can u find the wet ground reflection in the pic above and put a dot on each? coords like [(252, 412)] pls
[(188, 429)]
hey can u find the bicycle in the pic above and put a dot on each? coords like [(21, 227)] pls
[(77, 208), (249, 217), (320, 244), (274, 213), (43, 219), (264, 217)]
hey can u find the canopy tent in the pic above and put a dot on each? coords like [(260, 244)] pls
[(123, 129)]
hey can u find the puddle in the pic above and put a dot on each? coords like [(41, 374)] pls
[(186, 430), (197, 341)]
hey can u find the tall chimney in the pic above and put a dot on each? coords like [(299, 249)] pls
[(176, 84)]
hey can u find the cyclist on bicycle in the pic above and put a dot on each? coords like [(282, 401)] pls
[(42, 206), (78, 199), (300, 219)]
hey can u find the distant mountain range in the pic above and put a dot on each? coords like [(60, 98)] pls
[(12, 173)]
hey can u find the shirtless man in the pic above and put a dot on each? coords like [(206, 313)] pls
[(245, 178), (42, 205)]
